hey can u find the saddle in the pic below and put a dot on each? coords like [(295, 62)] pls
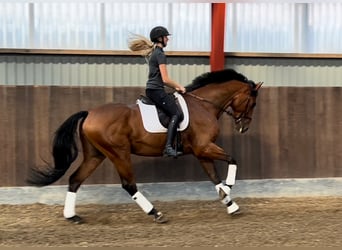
[(155, 120)]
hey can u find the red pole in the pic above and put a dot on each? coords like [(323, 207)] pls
[(217, 36)]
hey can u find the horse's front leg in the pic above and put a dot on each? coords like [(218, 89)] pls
[(214, 152), (223, 190), (207, 156)]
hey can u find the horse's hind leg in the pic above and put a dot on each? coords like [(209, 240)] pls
[(122, 162), (92, 159)]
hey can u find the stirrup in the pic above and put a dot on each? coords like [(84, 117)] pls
[(170, 152)]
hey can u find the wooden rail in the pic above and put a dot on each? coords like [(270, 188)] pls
[(170, 53)]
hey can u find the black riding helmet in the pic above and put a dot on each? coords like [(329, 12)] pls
[(157, 32)]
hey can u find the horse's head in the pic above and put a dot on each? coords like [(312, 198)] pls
[(227, 91), (242, 106)]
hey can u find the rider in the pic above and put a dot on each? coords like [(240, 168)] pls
[(157, 77)]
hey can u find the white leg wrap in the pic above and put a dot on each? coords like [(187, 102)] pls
[(224, 188), (231, 174), (232, 208), (226, 199), (144, 203), (69, 205)]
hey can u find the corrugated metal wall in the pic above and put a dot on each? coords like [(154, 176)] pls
[(271, 26), (101, 24), (284, 26), (91, 70), (132, 70), (290, 71)]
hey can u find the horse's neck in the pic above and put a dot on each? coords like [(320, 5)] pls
[(220, 93)]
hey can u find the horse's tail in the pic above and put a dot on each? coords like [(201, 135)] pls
[(64, 152)]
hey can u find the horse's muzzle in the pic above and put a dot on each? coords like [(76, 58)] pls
[(242, 125), (243, 130)]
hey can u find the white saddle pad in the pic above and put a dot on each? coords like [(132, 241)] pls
[(150, 118)]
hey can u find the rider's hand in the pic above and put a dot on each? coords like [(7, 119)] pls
[(181, 89)]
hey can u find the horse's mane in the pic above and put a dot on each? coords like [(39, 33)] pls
[(217, 77)]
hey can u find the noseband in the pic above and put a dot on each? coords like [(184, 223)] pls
[(244, 114)]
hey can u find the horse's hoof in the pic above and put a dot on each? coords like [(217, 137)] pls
[(233, 208), (236, 213), (75, 219), (160, 218)]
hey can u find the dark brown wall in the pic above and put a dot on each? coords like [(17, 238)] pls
[(295, 133)]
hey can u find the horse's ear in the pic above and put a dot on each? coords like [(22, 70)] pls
[(258, 85)]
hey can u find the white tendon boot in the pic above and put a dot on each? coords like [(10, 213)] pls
[(231, 174), (69, 205), (148, 208), (224, 193), (143, 203)]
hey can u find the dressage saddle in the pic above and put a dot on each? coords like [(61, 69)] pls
[(163, 118)]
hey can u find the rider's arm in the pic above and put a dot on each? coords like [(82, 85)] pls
[(168, 81)]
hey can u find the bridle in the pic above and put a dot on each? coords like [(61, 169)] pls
[(224, 109)]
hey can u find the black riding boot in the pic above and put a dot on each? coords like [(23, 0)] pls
[(171, 134)]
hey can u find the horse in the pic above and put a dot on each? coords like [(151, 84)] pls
[(115, 131)]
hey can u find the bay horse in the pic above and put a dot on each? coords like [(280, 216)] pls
[(116, 131)]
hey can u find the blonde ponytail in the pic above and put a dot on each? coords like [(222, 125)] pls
[(141, 44)]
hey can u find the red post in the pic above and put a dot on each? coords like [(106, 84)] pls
[(218, 15)]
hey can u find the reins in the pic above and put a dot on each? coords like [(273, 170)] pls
[(212, 103), (222, 109)]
